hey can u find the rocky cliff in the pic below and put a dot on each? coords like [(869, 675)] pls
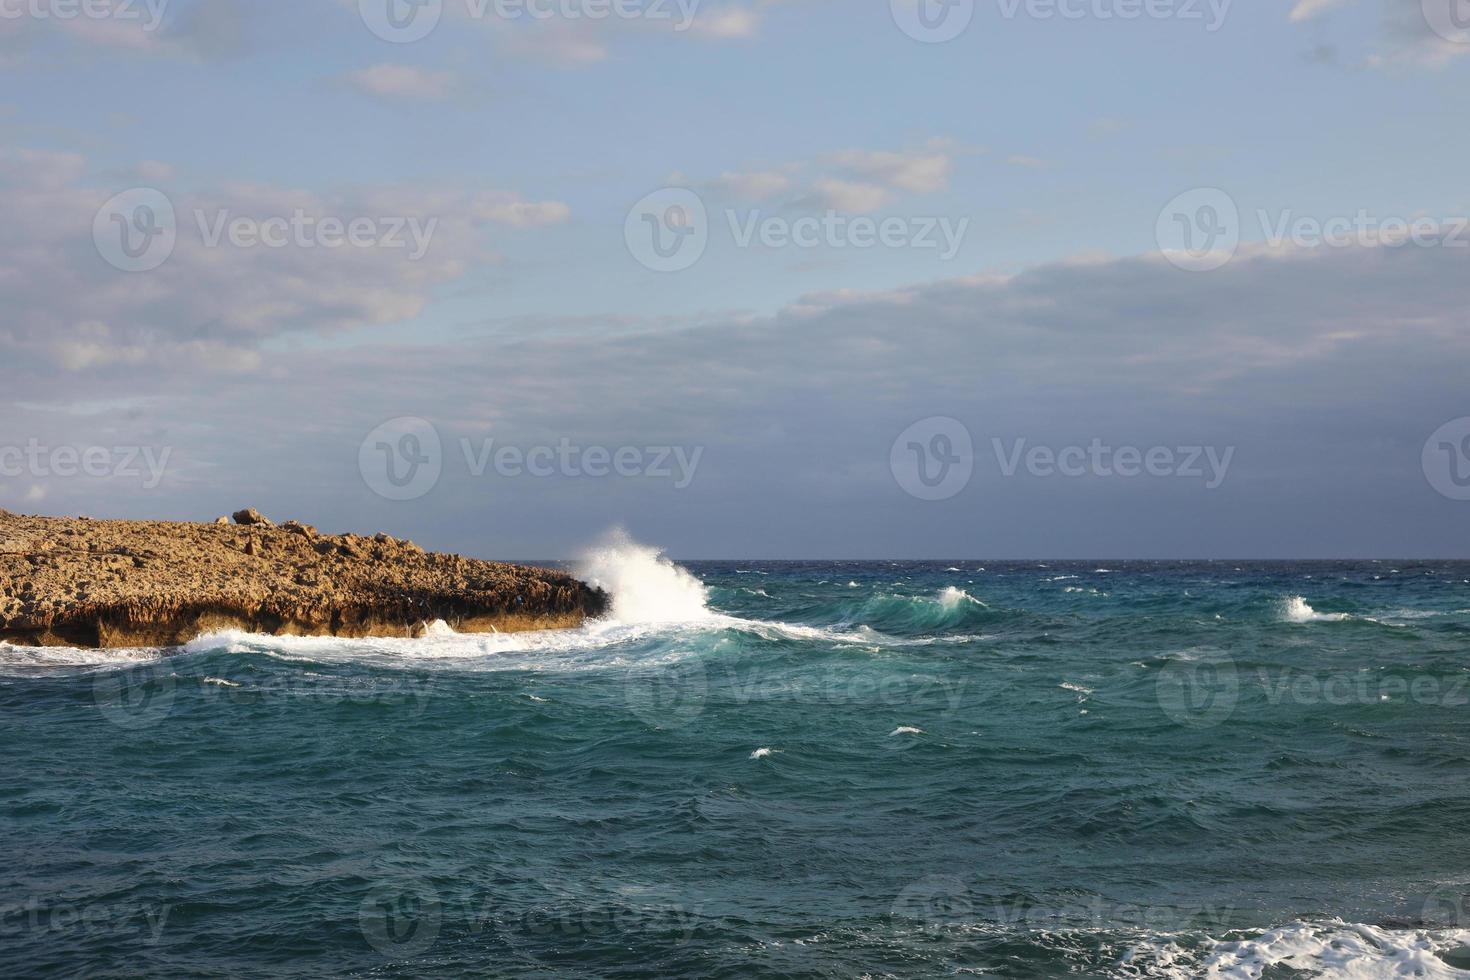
[(85, 583)]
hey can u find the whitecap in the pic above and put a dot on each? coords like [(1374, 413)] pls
[(1334, 948), (1298, 610)]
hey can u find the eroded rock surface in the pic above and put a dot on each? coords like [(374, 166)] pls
[(79, 582)]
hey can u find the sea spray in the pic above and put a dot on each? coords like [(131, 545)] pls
[(645, 586)]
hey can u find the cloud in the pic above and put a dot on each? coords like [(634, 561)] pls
[(511, 209), (757, 185), (850, 196), (727, 22), (202, 30), (1307, 9), (920, 173), (217, 298), (401, 83), (1411, 33), (154, 170), (1327, 370), (581, 41), (853, 180)]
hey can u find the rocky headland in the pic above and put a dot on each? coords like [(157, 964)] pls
[(91, 583)]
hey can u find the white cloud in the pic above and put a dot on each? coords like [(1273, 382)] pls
[(213, 306), (155, 170), (757, 185), (1307, 9), (920, 173), (510, 209), (401, 82), (727, 22), (850, 196)]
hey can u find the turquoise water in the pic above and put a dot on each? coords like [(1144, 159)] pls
[(776, 770)]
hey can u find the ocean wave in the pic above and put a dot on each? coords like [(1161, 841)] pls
[(27, 661), (1297, 610), (1334, 948)]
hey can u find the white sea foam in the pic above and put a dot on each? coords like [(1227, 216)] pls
[(645, 586), (761, 753), (1336, 949), (951, 598), (23, 661), (906, 730), (1297, 610)]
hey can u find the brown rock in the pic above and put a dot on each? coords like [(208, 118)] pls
[(251, 516), (155, 583)]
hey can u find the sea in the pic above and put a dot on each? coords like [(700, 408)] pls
[(750, 769)]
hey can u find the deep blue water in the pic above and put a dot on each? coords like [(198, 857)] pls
[(836, 770)]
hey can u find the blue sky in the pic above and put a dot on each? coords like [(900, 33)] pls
[(1050, 144)]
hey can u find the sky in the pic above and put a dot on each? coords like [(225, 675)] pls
[(749, 278)]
